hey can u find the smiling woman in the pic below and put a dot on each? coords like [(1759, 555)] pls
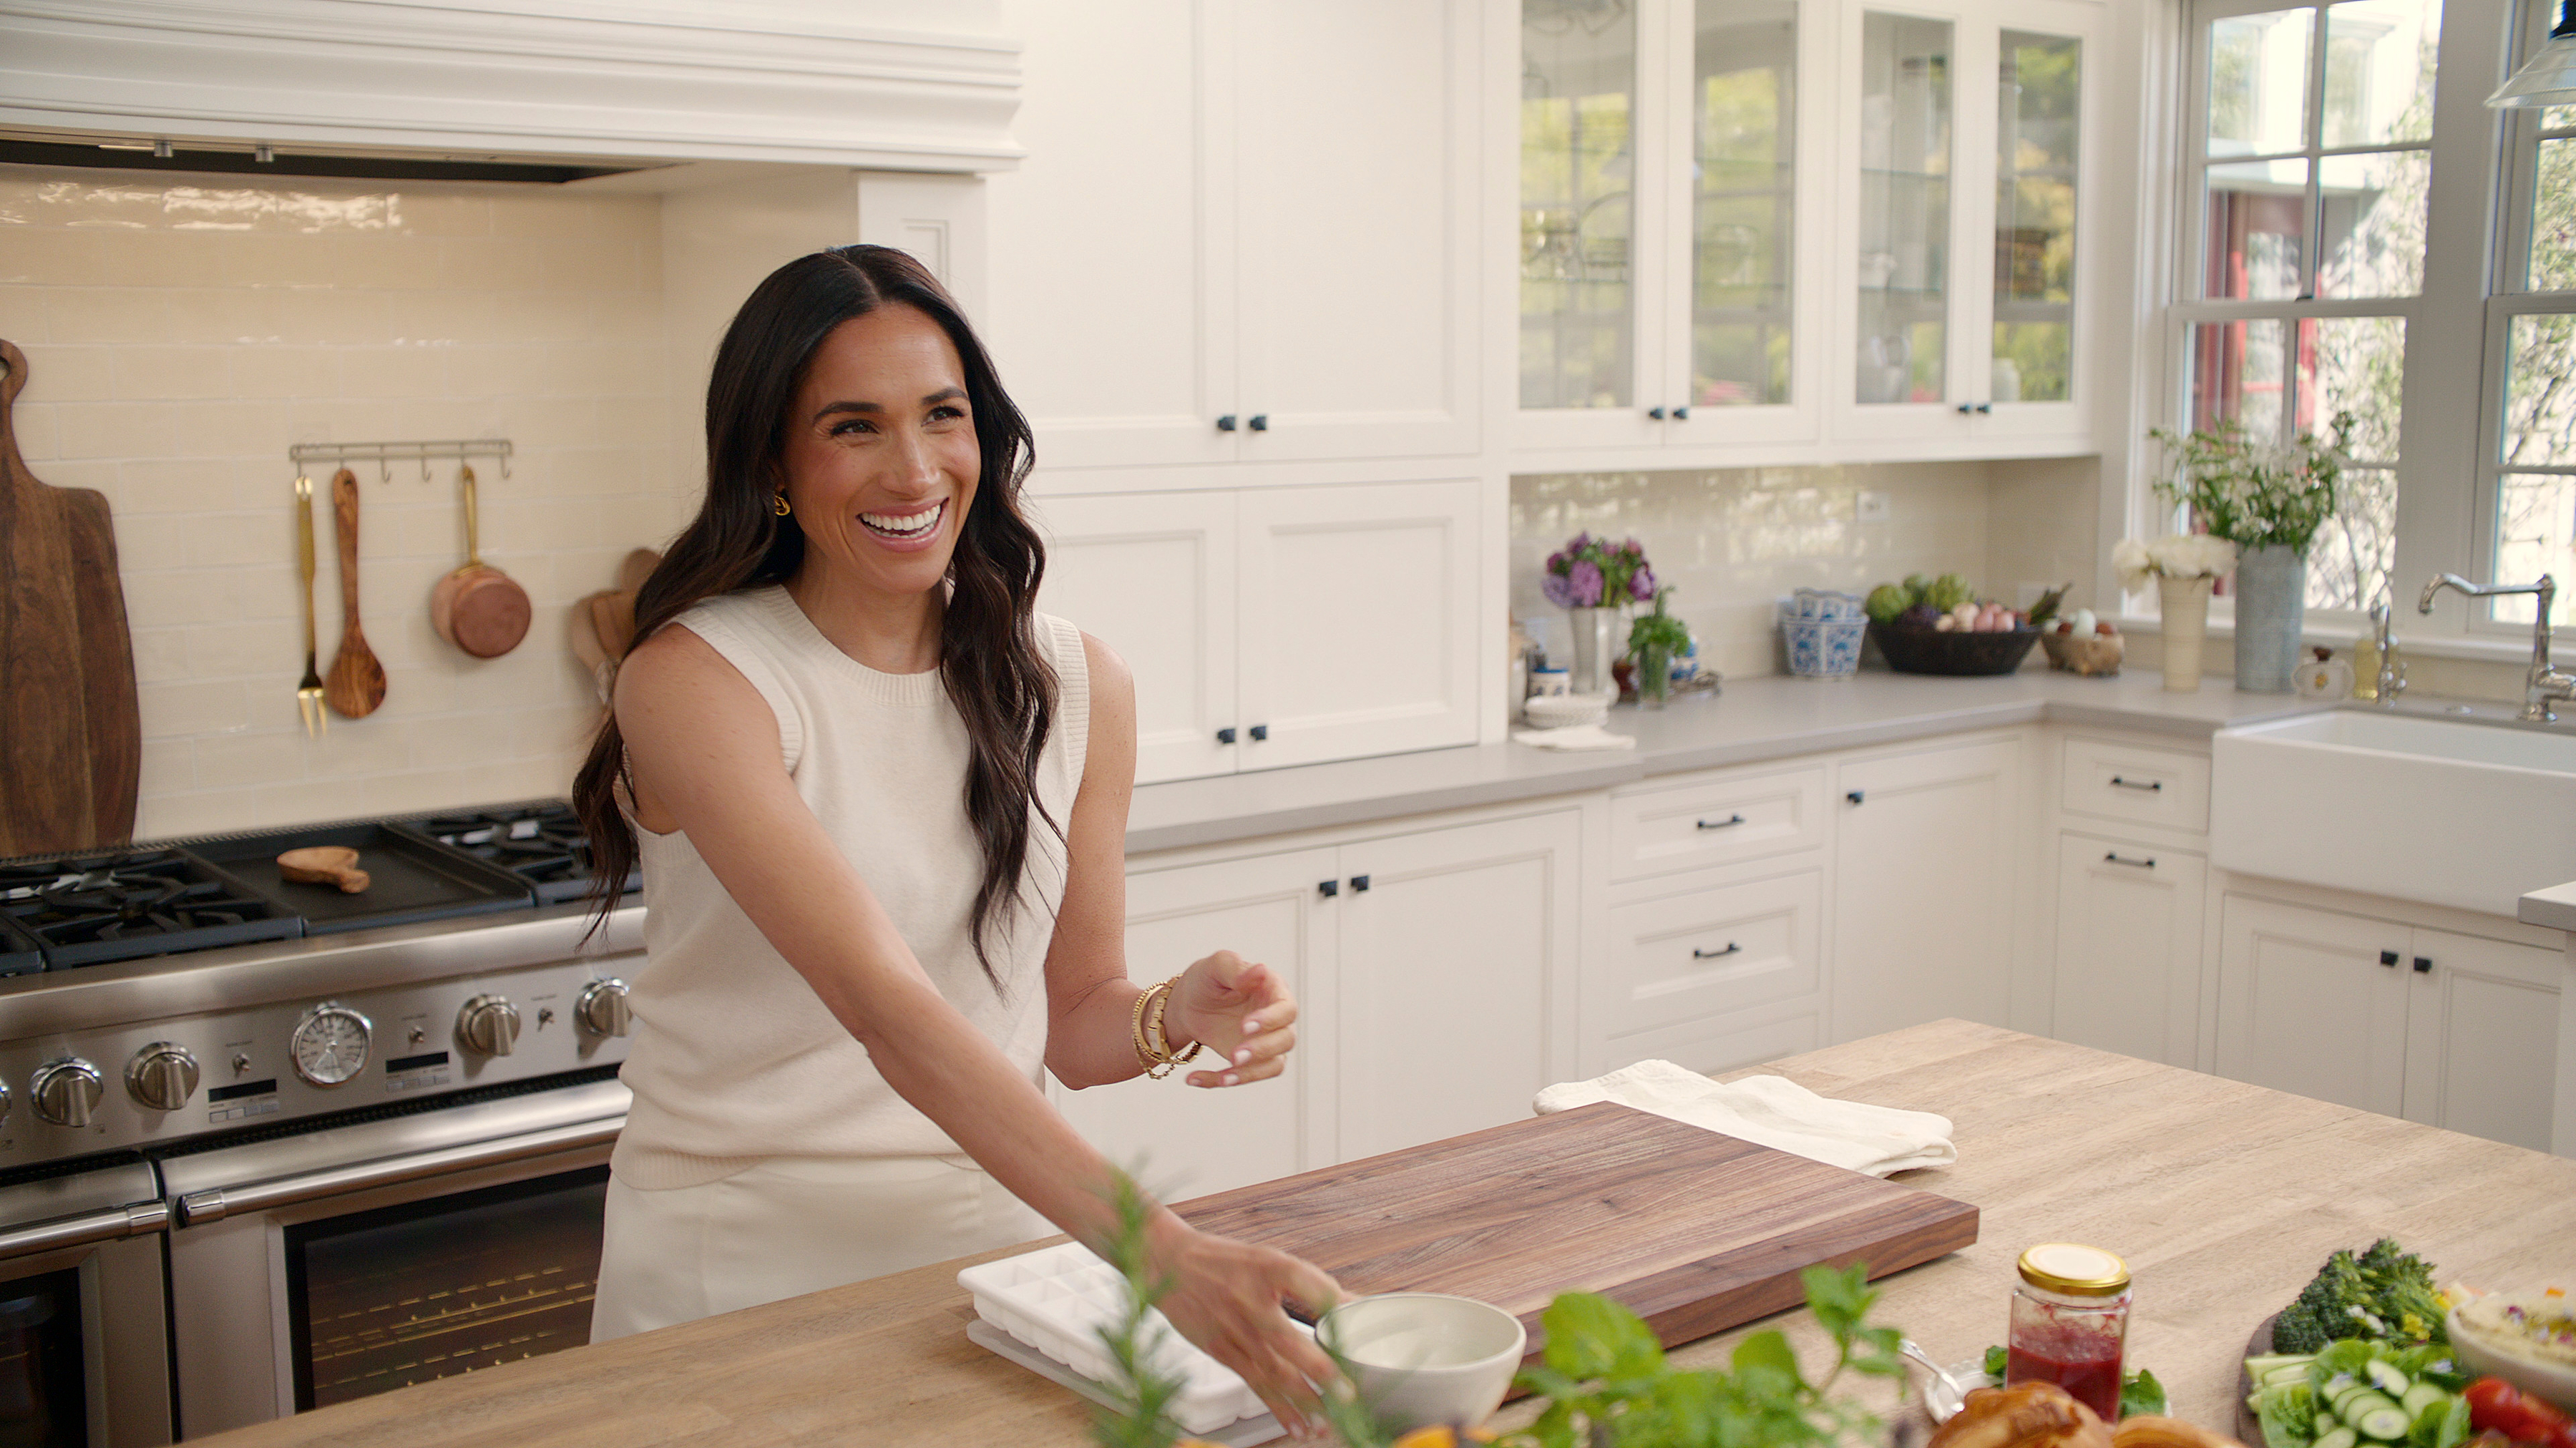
[(881, 807)]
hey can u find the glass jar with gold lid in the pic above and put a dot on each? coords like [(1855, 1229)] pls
[(2070, 1323)]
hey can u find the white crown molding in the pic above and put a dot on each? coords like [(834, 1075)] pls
[(747, 81)]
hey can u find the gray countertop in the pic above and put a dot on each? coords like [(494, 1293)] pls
[(2550, 909), (1752, 720)]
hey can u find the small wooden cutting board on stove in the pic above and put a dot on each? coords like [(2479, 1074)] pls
[(1694, 1231), (71, 741)]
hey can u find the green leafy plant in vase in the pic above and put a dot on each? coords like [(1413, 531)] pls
[(1654, 641)]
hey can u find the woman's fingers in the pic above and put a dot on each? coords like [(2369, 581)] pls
[(1257, 1059)]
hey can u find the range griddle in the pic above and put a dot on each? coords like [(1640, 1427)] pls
[(414, 878)]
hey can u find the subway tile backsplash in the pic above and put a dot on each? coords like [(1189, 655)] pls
[(181, 336)]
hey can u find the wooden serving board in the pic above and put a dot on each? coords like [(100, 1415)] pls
[(71, 736), (1694, 1231)]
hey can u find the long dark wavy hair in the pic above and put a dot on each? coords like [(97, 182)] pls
[(1001, 682)]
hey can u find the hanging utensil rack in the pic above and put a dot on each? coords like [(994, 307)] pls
[(385, 454)]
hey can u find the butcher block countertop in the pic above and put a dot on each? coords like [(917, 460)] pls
[(2223, 1197)]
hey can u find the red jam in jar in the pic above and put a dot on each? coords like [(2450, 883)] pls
[(2070, 1324)]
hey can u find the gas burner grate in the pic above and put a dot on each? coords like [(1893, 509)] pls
[(542, 844), (92, 909)]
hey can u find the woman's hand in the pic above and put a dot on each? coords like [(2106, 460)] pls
[(1239, 1009), (1226, 1297)]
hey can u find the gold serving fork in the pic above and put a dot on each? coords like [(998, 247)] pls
[(308, 694)]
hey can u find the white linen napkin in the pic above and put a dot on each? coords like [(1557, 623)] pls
[(1575, 736), (1771, 1111)]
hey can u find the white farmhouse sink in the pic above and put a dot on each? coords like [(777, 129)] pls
[(2447, 812)]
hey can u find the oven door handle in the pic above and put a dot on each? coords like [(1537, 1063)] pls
[(216, 1203), (88, 1227)]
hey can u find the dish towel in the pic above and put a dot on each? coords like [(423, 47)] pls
[(1771, 1111), (1575, 736)]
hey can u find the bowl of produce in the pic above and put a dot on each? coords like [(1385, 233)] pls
[(1939, 626), (2528, 1339), (2078, 643)]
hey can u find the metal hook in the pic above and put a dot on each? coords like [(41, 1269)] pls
[(424, 467), (505, 467), (384, 469)]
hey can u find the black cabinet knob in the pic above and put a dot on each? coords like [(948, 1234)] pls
[(1260, 731), (1225, 735), (1985, 409), (1967, 408), (1359, 884), (2388, 957), (1261, 422), (1328, 888), (1225, 423), (1681, 414), (2423, 965), (1856, 796)]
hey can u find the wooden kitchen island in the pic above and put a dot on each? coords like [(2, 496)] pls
[(2223, 1197)]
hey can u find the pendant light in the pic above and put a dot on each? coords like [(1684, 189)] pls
[(2549, 77)]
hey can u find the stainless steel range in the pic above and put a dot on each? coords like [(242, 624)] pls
[(369, 1153)]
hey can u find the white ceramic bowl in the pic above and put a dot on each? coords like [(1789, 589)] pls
[(1420, 1358), (2546, 1380), (1555, 711)]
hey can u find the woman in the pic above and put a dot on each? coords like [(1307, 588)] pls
[(882, 806)]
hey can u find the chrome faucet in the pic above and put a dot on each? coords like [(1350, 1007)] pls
[(2392, 674), (2541, 684)]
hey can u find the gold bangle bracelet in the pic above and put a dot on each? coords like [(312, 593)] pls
[(1153, 1048), (1157, 1038)]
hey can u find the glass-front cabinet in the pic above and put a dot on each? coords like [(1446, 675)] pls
[(1664, 197), (1803, 228)]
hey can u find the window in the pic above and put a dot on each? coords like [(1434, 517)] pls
[(2528, 493)]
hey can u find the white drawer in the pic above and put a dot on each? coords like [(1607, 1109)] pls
[(2164, 787), (1706, 953), (1715, 822)]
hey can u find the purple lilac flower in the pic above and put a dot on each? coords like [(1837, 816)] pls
[(1559, 591), (1642, 586), (1584, 582)]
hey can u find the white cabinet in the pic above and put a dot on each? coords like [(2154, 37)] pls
[(2126, 972), (1711, 976), (1273, 627), (1192, 1140), (1243, 231), (1926, 852), (2453, 1030)]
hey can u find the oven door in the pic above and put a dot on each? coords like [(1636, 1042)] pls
[(84, 1345), (336, 1264)]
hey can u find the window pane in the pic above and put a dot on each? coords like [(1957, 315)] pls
[(1578, 83), (2258, 225), (2354, 553), (1745, 89), (2258, 83), (2035, 217), (2355, 365), (2237, 371), (2373, 208), (2535, 523), (1905, 207), (2379, 71), (2553, 219), (2540, 392)]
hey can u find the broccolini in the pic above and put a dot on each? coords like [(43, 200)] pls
[(2384, 1292)]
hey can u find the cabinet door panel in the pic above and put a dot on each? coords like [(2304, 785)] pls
[(2306, 1006), (1453, 961), (1706, 953), (2128, 948), (1923, 883), (2482, 1037), (1195, 1140), (1358, 291), (1358, 620), (1154, 578)]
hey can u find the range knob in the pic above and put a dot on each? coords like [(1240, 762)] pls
[(162, 1076), (66, 1091), (489, 1025), (603, 1009)]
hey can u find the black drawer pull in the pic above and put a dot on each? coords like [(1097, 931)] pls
[(2113, 857), (1359, 884), (1328, 888), (1260, 731), (1721, 824), (2423, 965), (1699, 954), (2388, 957), (1225, 735), (2151, 786)]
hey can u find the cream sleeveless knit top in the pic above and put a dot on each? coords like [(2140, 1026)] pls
[(734, 1059)]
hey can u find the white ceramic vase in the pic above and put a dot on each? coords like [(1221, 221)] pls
[(2185, 605)]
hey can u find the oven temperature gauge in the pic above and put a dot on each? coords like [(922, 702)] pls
[(330, 1044)]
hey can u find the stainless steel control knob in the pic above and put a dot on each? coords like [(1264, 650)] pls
[(66, 1091), (603, 1009), (489, 1025), (162, 1076)]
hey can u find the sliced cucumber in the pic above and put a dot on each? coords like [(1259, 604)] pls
[(2327, 1422), (2340, 1387), (2384, 1421), (2262, 1363), (2337, 1438), (2356, 1404), (2285, 1373), (2387, 1377), (2419, 1397)]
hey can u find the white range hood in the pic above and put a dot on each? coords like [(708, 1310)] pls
[(880, 84)]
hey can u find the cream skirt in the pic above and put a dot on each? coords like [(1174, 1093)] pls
[(792, 1225)]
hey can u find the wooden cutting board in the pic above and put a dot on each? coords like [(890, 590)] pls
[(1694, 1231), (71, 741)]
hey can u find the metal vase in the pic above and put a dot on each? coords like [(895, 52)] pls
[(2271, 598), (1595, 649)]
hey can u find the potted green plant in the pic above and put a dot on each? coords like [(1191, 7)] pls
[(1654, 641), (2269, 499)]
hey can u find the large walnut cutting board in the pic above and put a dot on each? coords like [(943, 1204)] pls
[(71, 740), (1694, 1231)]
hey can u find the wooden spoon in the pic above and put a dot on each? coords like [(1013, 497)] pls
[(355, 687), (333, 865), (587, 646), (637, 567)]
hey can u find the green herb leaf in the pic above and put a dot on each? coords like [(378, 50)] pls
[(2141, 1393), (1997, 1362), (1590, 1336)]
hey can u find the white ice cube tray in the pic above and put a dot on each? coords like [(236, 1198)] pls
[(1056, 1300)]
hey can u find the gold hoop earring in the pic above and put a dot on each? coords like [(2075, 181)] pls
[(778, 503)]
